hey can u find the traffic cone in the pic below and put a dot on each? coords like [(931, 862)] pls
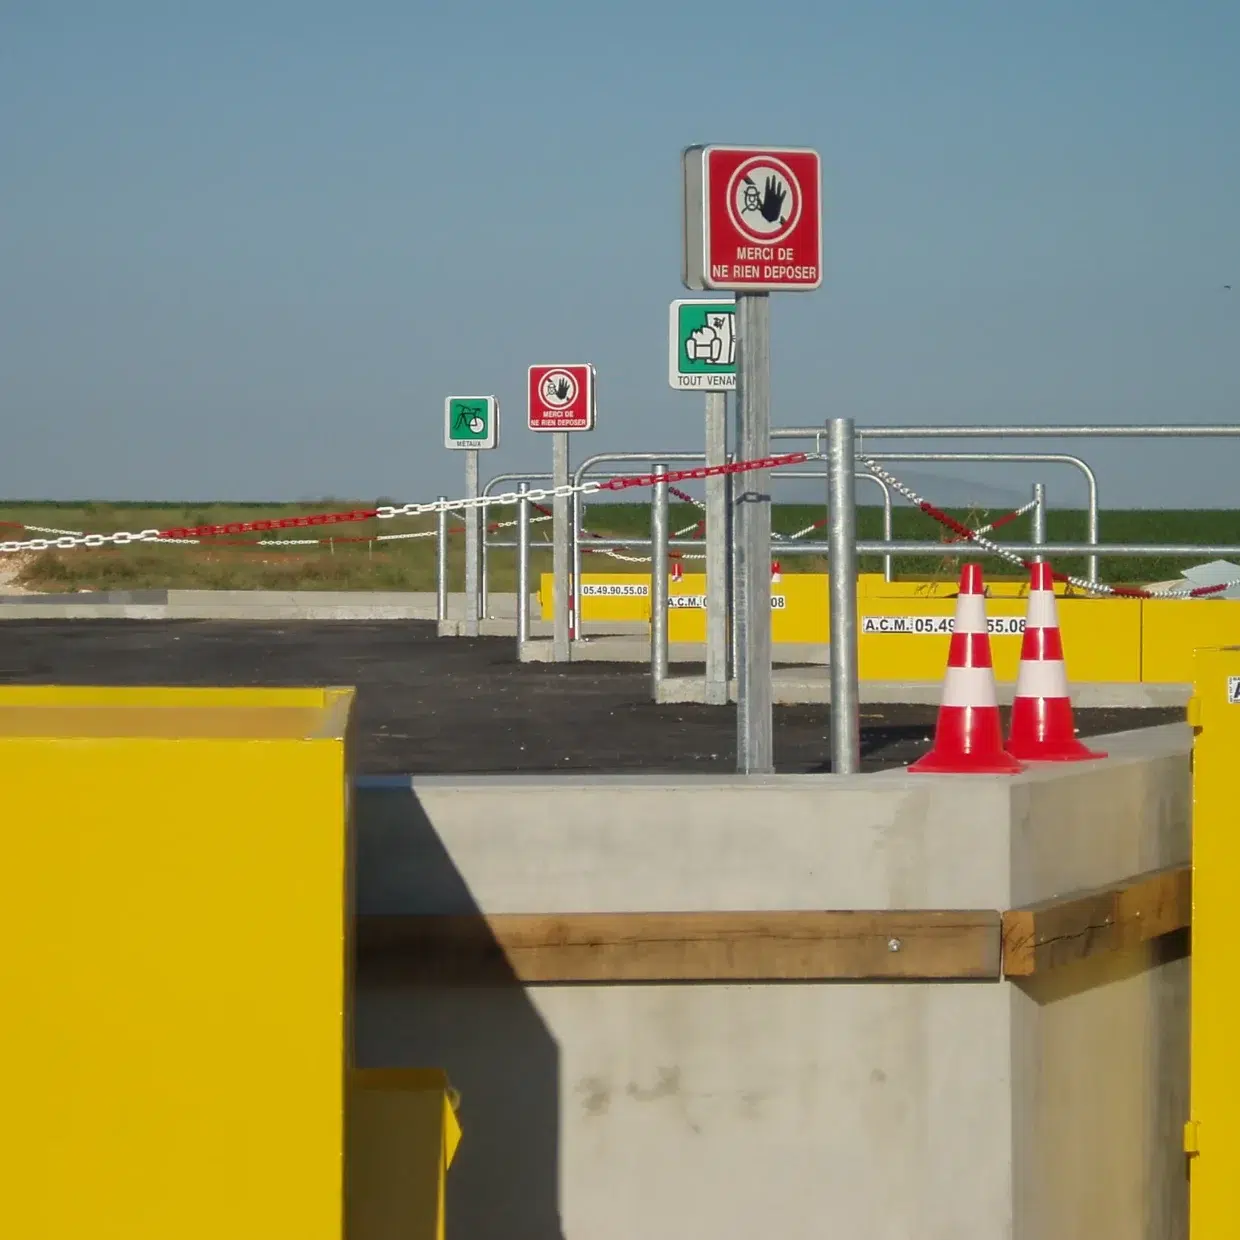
[(775, 573), (677, 572), (968, 738), (1041, 728)]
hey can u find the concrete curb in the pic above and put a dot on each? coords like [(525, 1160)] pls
[(810, 686), (632, 648), (253, 605)]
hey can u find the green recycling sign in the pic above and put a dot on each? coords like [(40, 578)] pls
[(471, 422), (702, 345)]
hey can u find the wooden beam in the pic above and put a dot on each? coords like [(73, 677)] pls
[(1056, 932), (684, 947)]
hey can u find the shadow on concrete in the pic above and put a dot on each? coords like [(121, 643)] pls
[(490, 1039)]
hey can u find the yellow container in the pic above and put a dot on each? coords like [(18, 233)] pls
[(903, 635), (1120, 640), (1176, 627), (905, 638), (174, 909), (603, 596), (798, 608), (1212, 1134), (403, 1134)]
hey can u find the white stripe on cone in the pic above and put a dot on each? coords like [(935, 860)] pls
[(1042, 678), (1041, 613), (970, 613), (970, 686)]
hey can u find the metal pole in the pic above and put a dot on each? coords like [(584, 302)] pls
[(842, 540), (995, 458), (484, 600), (1037, 518), (887, 526), (733, 608), (659, 535), (576, 511), (908, 546), (1207, 430), (472, 521), (716, 552), (523, 566), (561, 650), (578, 523), (754, 718), (1092, 532), (488, 489), (441, 563)]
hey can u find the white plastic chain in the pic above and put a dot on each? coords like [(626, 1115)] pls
[(507, 499), (385, 512), (68, 541), (1092, 587), (318, 542)]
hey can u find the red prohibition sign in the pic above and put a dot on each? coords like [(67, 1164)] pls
[(764, 200)]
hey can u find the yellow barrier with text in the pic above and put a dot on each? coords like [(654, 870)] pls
[(1212, 1132), (798, 608), (603, 596), (905, 636), (908, 638), (904, 626)]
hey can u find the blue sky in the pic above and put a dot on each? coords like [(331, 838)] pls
[(247, 249)]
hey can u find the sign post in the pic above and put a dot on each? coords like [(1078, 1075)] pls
[(755, 741), (752, 224), (471, 424), (561, 398), (717, 643), (702, 358)]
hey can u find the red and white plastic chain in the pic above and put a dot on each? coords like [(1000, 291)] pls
[(999, 522), (975, 536), (387, 512)]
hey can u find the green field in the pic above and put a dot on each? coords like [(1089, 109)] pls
[(349, 558)]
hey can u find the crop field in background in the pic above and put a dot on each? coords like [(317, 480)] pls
[(349, 557)]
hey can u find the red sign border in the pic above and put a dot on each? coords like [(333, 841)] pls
[(739, 225), (590, 392), (695, 271)]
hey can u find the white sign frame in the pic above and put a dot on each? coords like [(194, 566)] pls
[(472, 445), (696, 381)]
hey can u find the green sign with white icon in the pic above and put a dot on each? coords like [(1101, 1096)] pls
[(471, 422), (702, 345)]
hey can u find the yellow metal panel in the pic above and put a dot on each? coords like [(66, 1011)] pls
[(1174, 628), (174, 1033), (1101, 638), (798, 608), (605, 596), (1212, 1135), (403, 1135), (686, 616), (146, 697)]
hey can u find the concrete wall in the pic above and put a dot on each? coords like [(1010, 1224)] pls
[(947, 1111)]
